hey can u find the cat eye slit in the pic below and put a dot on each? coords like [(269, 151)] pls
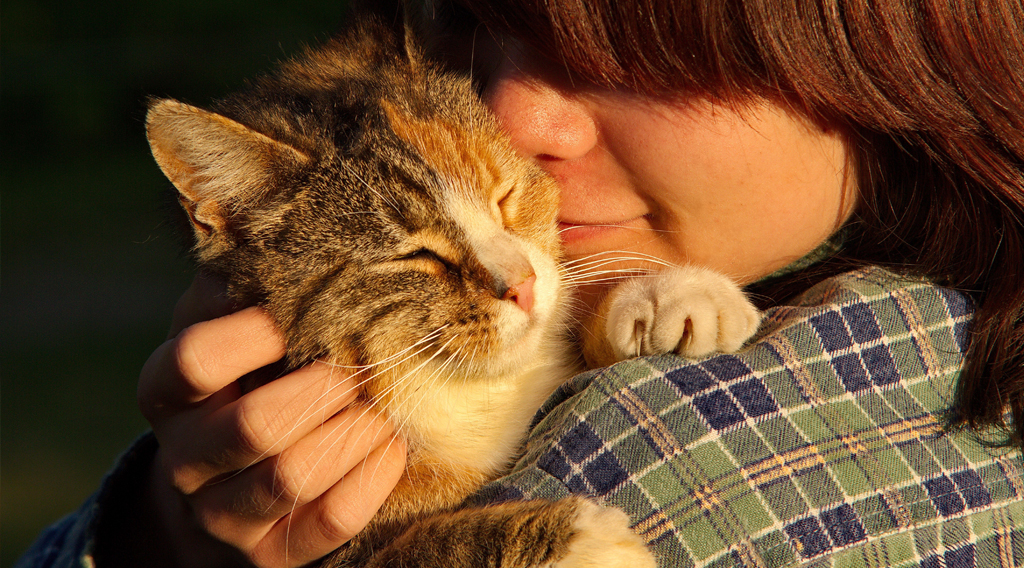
[(421, 254), (430, 256), (504, 209)]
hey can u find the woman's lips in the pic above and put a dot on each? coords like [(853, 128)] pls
[(580, 233), (576, 232)]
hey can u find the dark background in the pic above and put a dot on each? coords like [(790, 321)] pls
[(90, 271)]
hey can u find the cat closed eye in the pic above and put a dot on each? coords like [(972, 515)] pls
[(421, 254), (507, 207), (428, 255)]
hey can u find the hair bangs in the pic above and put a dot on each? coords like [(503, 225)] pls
[(864, 63), (657, 47)]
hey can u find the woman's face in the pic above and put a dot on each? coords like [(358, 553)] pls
[(745, 191)]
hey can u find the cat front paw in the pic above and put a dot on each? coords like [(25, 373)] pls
[(603, 539), (686, 310)]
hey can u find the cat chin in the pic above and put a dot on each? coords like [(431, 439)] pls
[(526, 345), (471, 421), (508, 362)]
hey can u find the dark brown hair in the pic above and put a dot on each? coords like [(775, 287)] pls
[(930, 93)]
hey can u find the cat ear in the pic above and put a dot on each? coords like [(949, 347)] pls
[(218, 165)]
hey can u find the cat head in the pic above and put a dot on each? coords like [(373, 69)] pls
[(371, 204)]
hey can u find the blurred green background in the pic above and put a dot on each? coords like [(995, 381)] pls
[(90, 272)]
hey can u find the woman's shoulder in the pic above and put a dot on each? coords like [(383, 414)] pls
[(862, 330), (867, 328), (823, 437), (885, 295)]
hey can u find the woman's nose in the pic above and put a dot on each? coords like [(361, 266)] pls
[(545, 120)]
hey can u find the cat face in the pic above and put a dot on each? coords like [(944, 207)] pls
[(372, 206)]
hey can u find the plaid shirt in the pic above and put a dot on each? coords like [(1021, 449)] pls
[(820, 443)]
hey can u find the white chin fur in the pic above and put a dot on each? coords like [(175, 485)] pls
[(523, 336)]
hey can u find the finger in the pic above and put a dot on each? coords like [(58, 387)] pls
[(309, 468), (259, 425), (325, 524), (205, 299), (238, 506), (204, 358)]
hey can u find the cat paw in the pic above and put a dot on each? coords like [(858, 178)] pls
[(603, 539), (686, 310)]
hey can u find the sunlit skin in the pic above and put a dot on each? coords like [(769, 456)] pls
[(743, 189)]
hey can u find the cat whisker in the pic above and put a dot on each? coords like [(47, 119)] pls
[(396, 359), (582, 272), (372, 189), (621, 255), (284, 437), (396, 383), (576, 227), (636, 255), (472, 63), (361, 369), (344, 434), (581, 268), (326, 403), (595, 268), (591, 269), (617, 226), (598, 276), (408, 375), (425, 339), (298, 492), (394, 386), (378, 372), (424, 393), (334, 436)]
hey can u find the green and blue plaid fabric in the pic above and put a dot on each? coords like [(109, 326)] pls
[(820, 443)]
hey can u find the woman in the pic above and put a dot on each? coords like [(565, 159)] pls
[(857, 164)]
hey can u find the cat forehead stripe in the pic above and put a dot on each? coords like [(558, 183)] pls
[(469, 159)]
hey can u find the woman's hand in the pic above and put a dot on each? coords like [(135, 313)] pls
[(282, 475)]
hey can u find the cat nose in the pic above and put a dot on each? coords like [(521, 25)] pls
[(520, 293)]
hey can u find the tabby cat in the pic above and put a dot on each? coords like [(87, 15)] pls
[(369, 202)]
